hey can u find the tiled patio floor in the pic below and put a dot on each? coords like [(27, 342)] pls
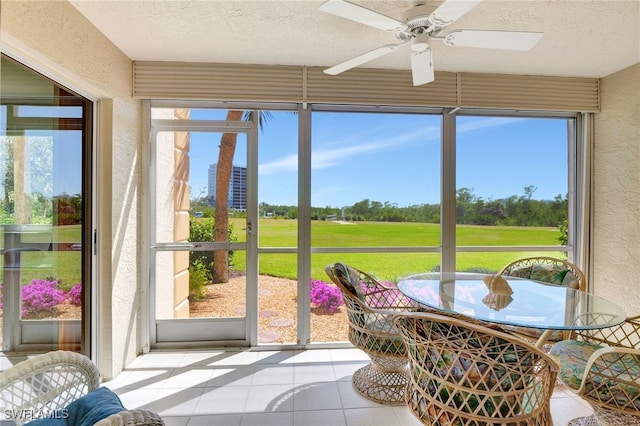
[(280, 388)]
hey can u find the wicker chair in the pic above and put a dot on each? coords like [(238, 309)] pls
[(370, 307), (466, 374), (603, 367), (548, 270), (50, 382)]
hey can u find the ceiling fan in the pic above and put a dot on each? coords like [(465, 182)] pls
[(424, 23)]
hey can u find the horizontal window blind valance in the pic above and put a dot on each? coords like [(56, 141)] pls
[(224, 82), (379, 87), (361, 86), (530, 92)]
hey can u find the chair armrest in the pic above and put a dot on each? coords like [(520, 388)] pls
[(612, 378)]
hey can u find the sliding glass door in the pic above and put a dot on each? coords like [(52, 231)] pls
[(45, 213)]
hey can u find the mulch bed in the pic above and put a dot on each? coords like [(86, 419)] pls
[(277, 316)]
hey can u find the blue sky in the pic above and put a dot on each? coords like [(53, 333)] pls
[(55, 156), (395, 158), (383, 157), (391, 158)]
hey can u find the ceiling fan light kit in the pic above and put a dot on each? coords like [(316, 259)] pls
[(420, 42), (422, 64), (423, 23)]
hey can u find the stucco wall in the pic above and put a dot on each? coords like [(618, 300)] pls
[(616, 215), (55, 39)]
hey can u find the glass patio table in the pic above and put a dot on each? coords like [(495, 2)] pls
[(532, 304)]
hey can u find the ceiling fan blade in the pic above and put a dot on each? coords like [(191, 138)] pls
[(359, 60), (509, 40), (451, 10), (362, 15), (422, 67)]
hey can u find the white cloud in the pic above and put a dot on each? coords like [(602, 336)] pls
[(350, 147), (485, 123), (288, 163)]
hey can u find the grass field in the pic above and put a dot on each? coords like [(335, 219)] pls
[(282, 233)]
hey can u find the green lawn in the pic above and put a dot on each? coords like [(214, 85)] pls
[(283, 233)]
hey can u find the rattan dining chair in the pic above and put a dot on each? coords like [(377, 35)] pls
[(466, 374), (549, 270), (370, 306), (603, 367), (47, 384)]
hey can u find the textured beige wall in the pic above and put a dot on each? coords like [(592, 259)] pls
[(54, 38), (616, 226)]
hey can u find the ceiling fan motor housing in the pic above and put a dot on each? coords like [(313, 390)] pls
[(418, 26), (418, 16)]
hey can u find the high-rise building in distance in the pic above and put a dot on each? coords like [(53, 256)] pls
[(237, 187)]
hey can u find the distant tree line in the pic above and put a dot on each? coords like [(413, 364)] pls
[(471, 209)]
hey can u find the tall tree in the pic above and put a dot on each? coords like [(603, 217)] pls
[(223, 178)]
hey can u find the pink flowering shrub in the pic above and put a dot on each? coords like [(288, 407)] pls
[(325, 295), (1, 305), (40, 297), (74, 295)]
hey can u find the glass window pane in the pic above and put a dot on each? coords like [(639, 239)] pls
[(186, 187), (491, 262), (277, 299), (278, 180), (184, 289), (512, 186), (375, 179), (330, 325)]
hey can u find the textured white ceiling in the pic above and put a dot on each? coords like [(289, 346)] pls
[(582, 38)]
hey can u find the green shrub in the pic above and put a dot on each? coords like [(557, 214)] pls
[(201, 230), (563, 227), (197, 281)]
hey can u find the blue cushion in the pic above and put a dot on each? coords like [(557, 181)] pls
[(93, 407), (85, 411)]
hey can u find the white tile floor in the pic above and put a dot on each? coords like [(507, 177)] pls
[(280, 388), (263, 388)]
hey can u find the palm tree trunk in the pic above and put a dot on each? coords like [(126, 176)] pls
[(223, 178)]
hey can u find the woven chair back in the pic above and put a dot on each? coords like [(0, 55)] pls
[(625, 335), (546, 269), (45, 384), (466, 374), (370, 307)]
